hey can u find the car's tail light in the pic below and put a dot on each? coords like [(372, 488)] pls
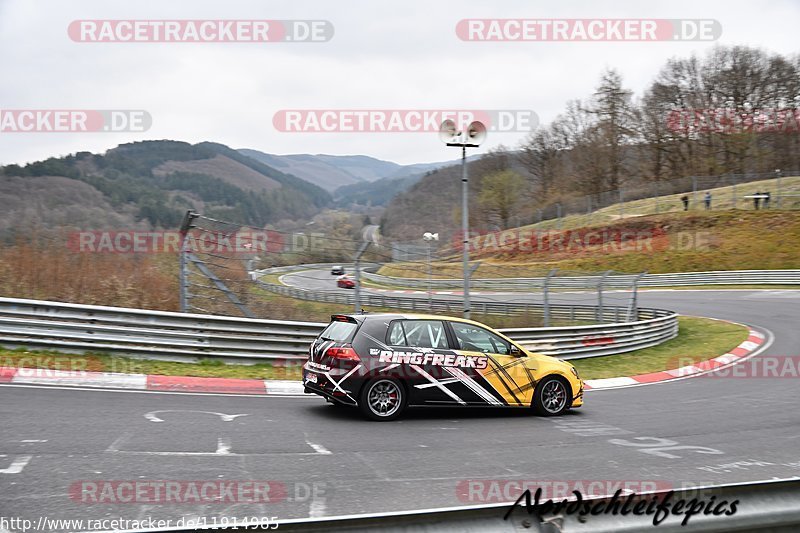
[(342, 352)]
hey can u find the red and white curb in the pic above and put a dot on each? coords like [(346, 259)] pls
[(110, 380), (257, 387), (754, 340)]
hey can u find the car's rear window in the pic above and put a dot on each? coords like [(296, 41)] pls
[(339, 331)]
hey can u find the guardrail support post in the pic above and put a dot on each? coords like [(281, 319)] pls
[(658, 192), (558, 214), (600, 314), (186, 225), (633, 310), (359, 253), (546, 296)]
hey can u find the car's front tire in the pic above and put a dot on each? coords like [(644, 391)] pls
[(552, 396), (382, 399)]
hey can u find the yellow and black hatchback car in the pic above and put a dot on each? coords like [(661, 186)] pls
[(384, 363)]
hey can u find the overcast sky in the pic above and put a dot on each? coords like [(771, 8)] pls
[(384, 55)]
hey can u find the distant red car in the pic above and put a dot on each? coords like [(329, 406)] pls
[(346, 282)]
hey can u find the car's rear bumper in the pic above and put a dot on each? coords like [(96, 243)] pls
[(321, 383)]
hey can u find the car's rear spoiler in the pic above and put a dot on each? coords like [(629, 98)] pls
[(343, 318)]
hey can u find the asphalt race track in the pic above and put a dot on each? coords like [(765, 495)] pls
[(328, 461)]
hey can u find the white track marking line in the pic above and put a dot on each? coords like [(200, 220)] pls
[(34, 440), (319, 448), (151, 416), (317, 507), (17, 465), (119, 441), (223, 446)]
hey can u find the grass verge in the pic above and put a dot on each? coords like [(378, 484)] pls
[(699, 339)]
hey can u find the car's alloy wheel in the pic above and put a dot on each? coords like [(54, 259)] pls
[(382, 399), (551, 397)]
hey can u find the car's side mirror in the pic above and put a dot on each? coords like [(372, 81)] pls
[(516, 352)]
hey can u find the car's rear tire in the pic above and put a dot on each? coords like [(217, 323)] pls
[(382, 399), (552, 396)]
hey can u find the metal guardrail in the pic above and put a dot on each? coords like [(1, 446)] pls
[(89, 328), (75, 327), (580, 342), (717, 277), (760, 506)]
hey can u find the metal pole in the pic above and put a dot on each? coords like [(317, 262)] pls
[(430, 288), (359, 253), (733, 191), (600, 317), (465, 226), (778, 202), (546, 297), (694, 191), (658, 192), (633, 312), (184, 296), (186, 225), (558, 214), (621, 208)]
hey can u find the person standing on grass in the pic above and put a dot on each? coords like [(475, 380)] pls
[(766, 200), (756, 200), (685, 200), (707, 200)]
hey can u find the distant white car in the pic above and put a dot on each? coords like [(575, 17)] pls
[(338, 270)]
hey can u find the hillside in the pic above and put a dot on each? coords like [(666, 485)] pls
[(376, 193), (331, 172), (152, 184), (669, 242)]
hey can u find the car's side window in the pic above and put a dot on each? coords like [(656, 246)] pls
[(418, 334), (477, 339), (397, 336)]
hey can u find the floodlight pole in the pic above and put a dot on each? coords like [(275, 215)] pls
[(465, 220), (469, 139), (465, 226)]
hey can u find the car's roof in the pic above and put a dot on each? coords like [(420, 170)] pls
[(412, 316)]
